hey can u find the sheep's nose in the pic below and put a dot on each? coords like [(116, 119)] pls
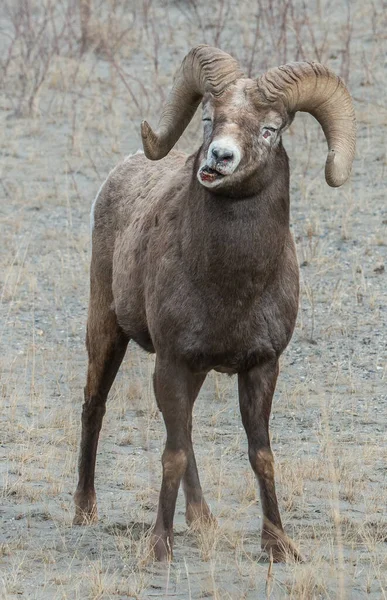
[(222, 153)]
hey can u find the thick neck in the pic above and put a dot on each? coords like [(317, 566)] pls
[(234, 244)]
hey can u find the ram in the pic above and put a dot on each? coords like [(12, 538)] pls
[(193, 259)]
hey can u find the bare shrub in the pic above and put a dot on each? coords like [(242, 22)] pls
[(105, 30), (36, 33)]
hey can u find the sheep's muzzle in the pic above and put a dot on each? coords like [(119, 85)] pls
[(208, 174)]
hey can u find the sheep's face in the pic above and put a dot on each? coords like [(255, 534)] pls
[(239, 135)]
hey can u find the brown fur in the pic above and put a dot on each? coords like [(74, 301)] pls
[(207, 280)]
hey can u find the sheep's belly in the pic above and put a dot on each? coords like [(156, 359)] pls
[(226, 370), (229, 362)]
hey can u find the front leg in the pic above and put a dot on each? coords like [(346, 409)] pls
[(256, 388), (175, 388)]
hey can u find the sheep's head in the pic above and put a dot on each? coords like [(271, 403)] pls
[(244, 118), (239, 134)]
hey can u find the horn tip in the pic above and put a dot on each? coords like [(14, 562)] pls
[(150, 142), (146, 131), (337, 169)]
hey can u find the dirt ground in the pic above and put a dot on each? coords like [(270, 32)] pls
[(67, 117)]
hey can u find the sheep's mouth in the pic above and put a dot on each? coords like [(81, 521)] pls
[(210, 175)]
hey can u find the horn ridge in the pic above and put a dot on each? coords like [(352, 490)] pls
[(314, 88)]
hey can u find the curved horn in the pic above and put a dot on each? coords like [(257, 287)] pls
[(313, 88), (204, 69)]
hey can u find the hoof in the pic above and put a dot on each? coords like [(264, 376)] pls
[(162, 547), (277, 544), (199, 513), (85, 509)]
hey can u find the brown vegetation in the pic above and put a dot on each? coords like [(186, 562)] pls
[(328, 424)]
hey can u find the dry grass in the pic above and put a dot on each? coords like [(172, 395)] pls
[(71, 101)]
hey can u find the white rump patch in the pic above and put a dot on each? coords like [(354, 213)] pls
[(93, 205)]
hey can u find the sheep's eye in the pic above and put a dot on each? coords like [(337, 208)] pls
[(206, 120), (267, 131)]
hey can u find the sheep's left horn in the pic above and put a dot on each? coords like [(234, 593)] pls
[(313, 88), (204, 69)]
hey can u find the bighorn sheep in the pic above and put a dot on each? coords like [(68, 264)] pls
[(193, 259)]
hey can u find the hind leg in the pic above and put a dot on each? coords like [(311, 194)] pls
[(197, 509), (106, 345)]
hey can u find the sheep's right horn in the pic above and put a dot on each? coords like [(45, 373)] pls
[(313, 88), (204, 69)]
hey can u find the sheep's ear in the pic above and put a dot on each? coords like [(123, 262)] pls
[(288, 122)]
